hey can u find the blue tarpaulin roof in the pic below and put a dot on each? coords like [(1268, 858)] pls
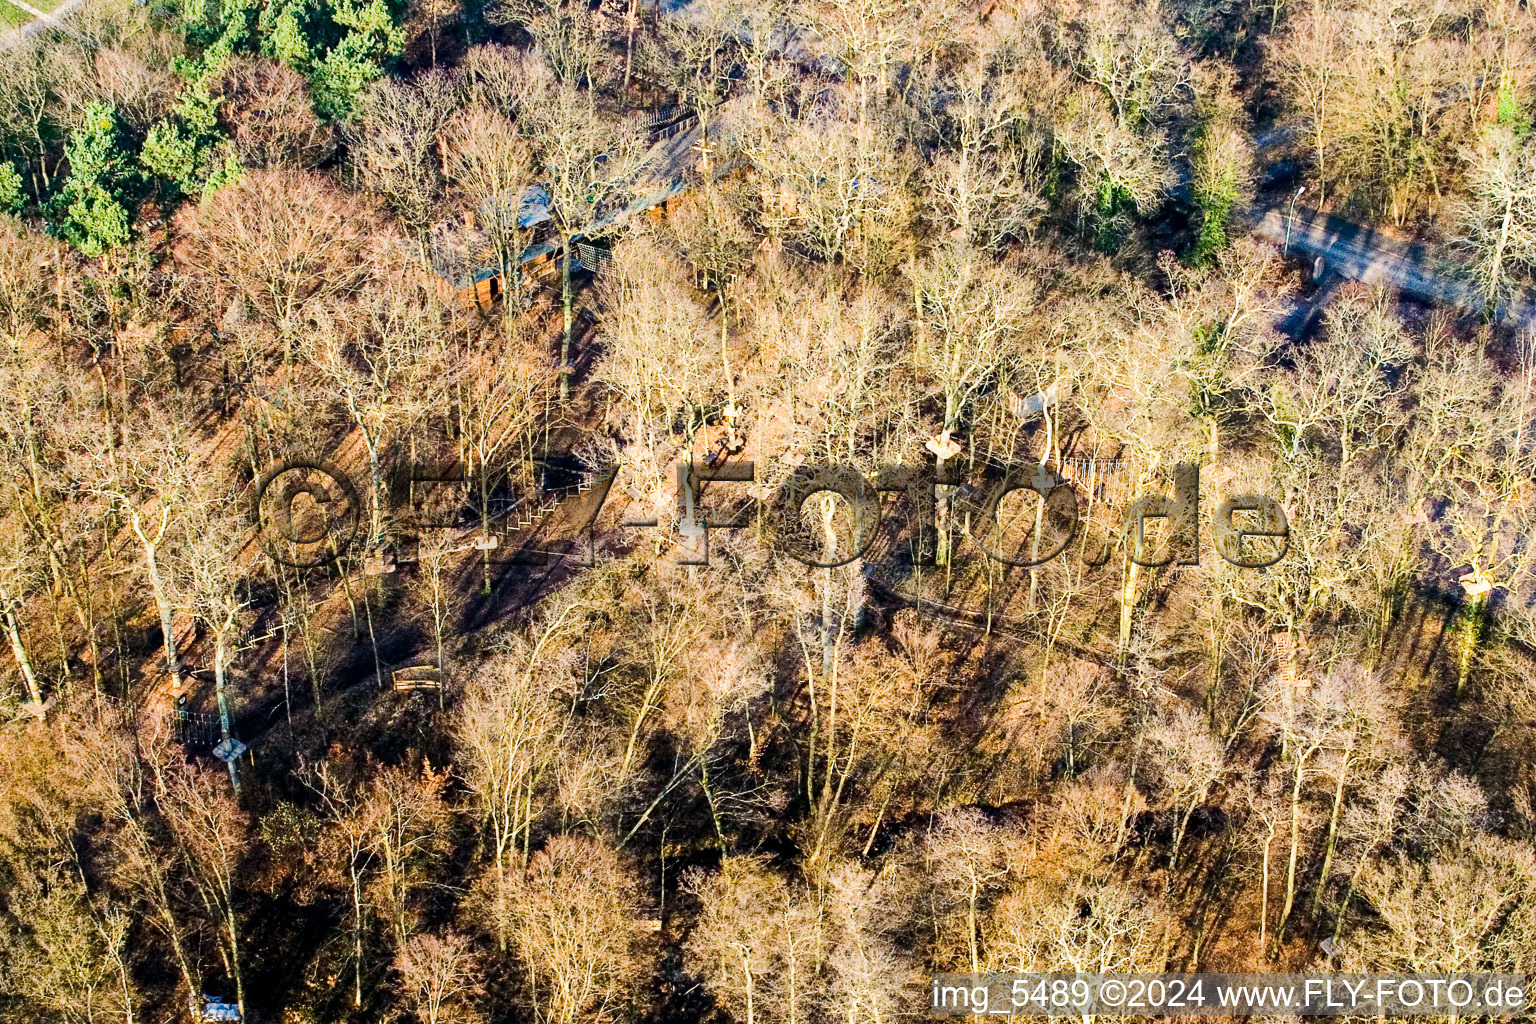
[(214, 1010)]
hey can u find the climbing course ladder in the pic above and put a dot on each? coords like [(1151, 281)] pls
[(1285, 649)]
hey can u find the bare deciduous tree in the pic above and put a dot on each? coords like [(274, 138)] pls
[(440, 974), (575, 930), (282, 239)]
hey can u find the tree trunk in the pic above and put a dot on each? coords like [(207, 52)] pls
[(1333, 837), (23, 662), (648, 698), (1269, 840), (167, 613), (1128, 600), (234, 956), (1349, 894), (162, 905), (357, 934), (219, 651), (1290, 870), (566, 300), (1471, 635), (1178, 837), (970, 923), (746, 966), (1496, 261), (629, 41)]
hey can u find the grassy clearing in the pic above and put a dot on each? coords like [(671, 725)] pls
[(13, 15)]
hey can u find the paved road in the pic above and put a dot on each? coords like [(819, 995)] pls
[(1360, 254)]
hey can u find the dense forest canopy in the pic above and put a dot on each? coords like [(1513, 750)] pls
[(542, 706)]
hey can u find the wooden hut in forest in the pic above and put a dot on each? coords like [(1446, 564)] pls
[(468, 269), (464, 255)]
